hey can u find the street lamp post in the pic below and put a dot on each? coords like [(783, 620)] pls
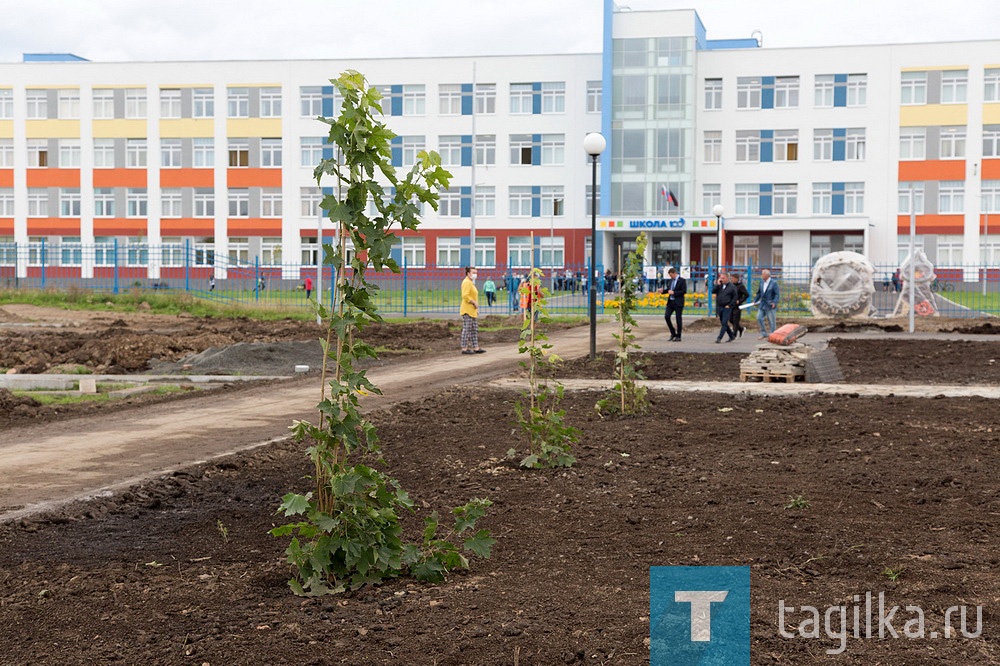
[(594, 143), (718, 211)]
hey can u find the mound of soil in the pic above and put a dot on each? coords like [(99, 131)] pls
[(181, 569)]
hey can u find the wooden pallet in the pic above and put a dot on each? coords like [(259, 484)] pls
[(771, 376)]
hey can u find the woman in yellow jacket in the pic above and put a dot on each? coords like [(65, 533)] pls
[(470, 313)]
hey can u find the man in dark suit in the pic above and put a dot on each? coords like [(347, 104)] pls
[(675, 289), (767, 298), (725, 301), (741, 297)]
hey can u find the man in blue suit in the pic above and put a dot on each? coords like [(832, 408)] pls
[(767, 299)]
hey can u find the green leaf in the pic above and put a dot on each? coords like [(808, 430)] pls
[(294, 504), (481, 544)]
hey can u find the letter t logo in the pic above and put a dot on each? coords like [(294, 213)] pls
[(701, 611)]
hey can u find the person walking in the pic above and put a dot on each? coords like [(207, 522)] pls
[(211, 283), (675, 289), (768, 295), (470, 313), (308, 284), (725, 301), (741, 297), (490, 289)]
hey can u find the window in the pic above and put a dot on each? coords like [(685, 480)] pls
[(412, 145), (824, 87), (854, 144), (239, 202), (38, 103), (991, 89), (135, 153), (414, 100), (450, 149), (69, 202), (38, 202), (104, 153), (917, 195), (486, 149), (630, 95), (952, 143), (594, 95), (170, 202), (554, 97), (711, 196), (520, 149), (786, 146), (912, 143), (170, 103), (38, 153), (270, 153), (414, 252), (239, 249), (553, 149), (632, 52), (104, 103), (135, 202), (270, 202), (6, 208), (713, 94), (747, 199), (204, 202), (239, 153), (171, 251), (203, 100), (135, 102), (713, 147), (520, 98), (520, 200), (991, 140), (486, 201), (70, 251), (270, 251), (311, 197), (69, 153), (450, 99), (748, 92), (310, 101), (951, 196), (238, 102), (6, 153), (785, 199), (748, 146), (954, 85), (486, 252), (104, 202), (854, 198), (270, 102), (588, 203), (949, 250), (136, 251), (485, 98), (822, 198), (552, 198), (204, 153), (204, 252), (914, 88), (551, 251), (519, 251), (786, 92), (450, 202), (170, 153), (69, 104), (746, 250), (449, 252), (857, 89), (6, 103), (311, 150), (670, 93), (991, 196)]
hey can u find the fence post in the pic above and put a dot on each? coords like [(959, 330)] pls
[(256, 278), (114, 283), (187, 264), (44, 259), (405, 288), (709, 283)]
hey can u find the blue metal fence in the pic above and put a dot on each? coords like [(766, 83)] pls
[(427, 290)]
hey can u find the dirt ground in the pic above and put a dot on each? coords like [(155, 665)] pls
[(180, 569)]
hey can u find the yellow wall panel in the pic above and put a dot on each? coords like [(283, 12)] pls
[(52, 129), (933, 114), (187, 127), (6, 129), (129, 129), (265, 127), (935, 68), (991, 114)]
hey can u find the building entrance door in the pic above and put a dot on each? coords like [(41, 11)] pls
[(667, 252)]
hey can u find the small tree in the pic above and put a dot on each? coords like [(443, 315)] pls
[(350, 533), (549, 438), (627, 398)]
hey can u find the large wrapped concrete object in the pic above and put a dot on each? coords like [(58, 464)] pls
[(842, 286)]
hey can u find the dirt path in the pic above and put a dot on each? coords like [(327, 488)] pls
[(57, 462)]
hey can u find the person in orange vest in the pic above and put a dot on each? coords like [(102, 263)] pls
[(529, 296)]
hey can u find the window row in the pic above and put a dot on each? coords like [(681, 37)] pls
[(834, 144), (782, 92), (134, 202), (546, 252), (945, 86), (133, 153), (766, 199)]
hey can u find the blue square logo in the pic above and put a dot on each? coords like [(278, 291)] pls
[(699, 616)]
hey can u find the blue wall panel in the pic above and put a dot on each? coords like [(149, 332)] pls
[(767, 92), (466, 99)]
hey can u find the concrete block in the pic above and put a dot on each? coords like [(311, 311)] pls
[(88, 385)]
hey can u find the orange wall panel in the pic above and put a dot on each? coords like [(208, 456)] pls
[(253, 177), (6, 178), (932, 224), (53, 226), (120, 226), (119, 178), (53, 178), (6, 226), (187, 178), (991, 169), (932, 170), (187, 227), (254, 227)]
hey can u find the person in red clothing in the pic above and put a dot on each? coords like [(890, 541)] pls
[(309, 287)]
